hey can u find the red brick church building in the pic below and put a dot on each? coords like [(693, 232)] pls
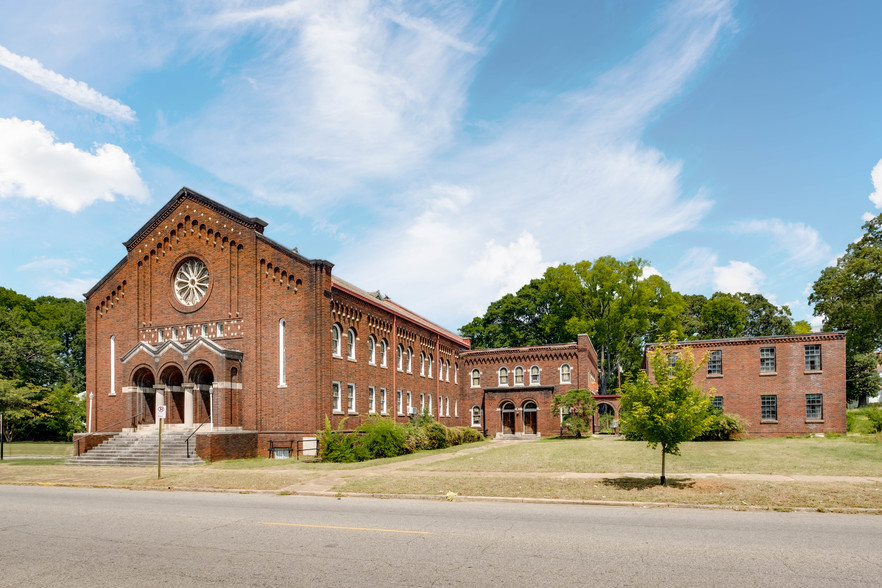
[(230, 330)]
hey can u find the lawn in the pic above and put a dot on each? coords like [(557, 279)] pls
[(841, 456), (37, 448)]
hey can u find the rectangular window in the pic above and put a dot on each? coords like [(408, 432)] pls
[(718, 402), (399, 400), (372, 400), (382, 400), (338, 407), (767, 360), (409, 402), (190, 332), (814, 406), (219, 329), (813, 358), (715, 363), (769, 408), (350, 398)]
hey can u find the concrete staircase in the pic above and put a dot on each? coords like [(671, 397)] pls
[(517, 437), (139, 448)]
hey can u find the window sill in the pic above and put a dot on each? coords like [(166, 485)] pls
[(768, 374), (814, 421), (813, 372), (338, 412), (112, 394), (282, 386), (769, 422), (352, 413), (372, 363), (336, 356), (476, 426), (714, 376), (352, 359)]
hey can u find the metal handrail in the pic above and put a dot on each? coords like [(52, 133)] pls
[(107, 427), (208, 418)]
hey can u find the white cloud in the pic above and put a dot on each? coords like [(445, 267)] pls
[(867, 217), (67, 288), (802, 242), (876, 176), (738, 276), (34, 164), (568, 179), (77, 92), (55, 265), (649, 271)]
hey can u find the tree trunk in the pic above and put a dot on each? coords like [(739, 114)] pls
[(663, 480)]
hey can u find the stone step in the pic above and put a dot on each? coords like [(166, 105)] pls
[(140, 448)]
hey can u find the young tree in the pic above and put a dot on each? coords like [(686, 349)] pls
[(667, 408), (578, 407)]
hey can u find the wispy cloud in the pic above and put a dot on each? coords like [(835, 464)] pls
[(34, 164), (802, 243), (876, 176), (77, 92)]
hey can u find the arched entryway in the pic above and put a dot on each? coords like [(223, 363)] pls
[(145, 405), (172, 380), (606, 415), (508, 418), (202, 378), (530, 417)]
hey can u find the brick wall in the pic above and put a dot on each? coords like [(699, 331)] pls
[(226, 445), (742, 383)]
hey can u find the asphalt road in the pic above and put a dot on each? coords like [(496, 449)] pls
[(97, 537)]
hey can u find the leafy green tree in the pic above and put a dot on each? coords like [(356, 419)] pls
[(862, 379), (690, 318), (723, 316), (671, 409), (578, 407), (849, 297), (764, 318), (802, 327), (20, 404), (619, 309)]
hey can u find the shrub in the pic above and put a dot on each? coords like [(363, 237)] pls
[(415, 438), (437, 436), (471, 435), (381, 437), (723, 427), (875, 418), (849, 422), (336, 446)]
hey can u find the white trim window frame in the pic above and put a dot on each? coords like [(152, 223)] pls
[(518, 376), (383, 407), (336, 334), (350, 399), (503, 376), (337, 400), (350, 344), (372, 350), (372, 400), (384, 349), (476, 378), (566, 373), (535, 374)]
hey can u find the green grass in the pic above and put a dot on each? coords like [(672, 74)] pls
[(38, 448), (41, 461), (843, 456)]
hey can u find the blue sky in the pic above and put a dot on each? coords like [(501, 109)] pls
[(446, 153)]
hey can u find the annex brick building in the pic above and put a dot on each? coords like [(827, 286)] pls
[(781, 385), (250, 340)]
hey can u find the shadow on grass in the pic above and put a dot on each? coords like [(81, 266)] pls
[(632, 483)]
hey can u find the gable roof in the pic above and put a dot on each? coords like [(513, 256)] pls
[(186, 193)]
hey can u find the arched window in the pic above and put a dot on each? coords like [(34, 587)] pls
[(281, 352), (503, 376), (476, 416), (409, 360), (422, 363), (476, 378), (565, 375), (335, 340), (350, 343), (112, 366), (456, 373), (372, 350), (383, 347), (431, 360), (534, 374), (430, 403), (456, 407), (519, 376), (446, 371), (400, 358)]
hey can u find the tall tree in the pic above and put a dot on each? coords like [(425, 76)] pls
[(671, 409), (764, 318), (849, 297), (690, 318), (723, 316)]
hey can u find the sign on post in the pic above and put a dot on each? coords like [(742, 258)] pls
[(160, 411)]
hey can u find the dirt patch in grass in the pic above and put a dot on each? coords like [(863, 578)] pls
[(680, 490)]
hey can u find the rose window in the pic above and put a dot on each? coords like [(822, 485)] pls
[(191, 282)]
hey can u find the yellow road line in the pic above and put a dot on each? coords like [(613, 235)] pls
[(349, 528)]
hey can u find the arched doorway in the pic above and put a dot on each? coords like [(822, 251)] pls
[(508, 418), (530, 420), (146, 399), (606, 414), (172, 378), (202, 377)]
